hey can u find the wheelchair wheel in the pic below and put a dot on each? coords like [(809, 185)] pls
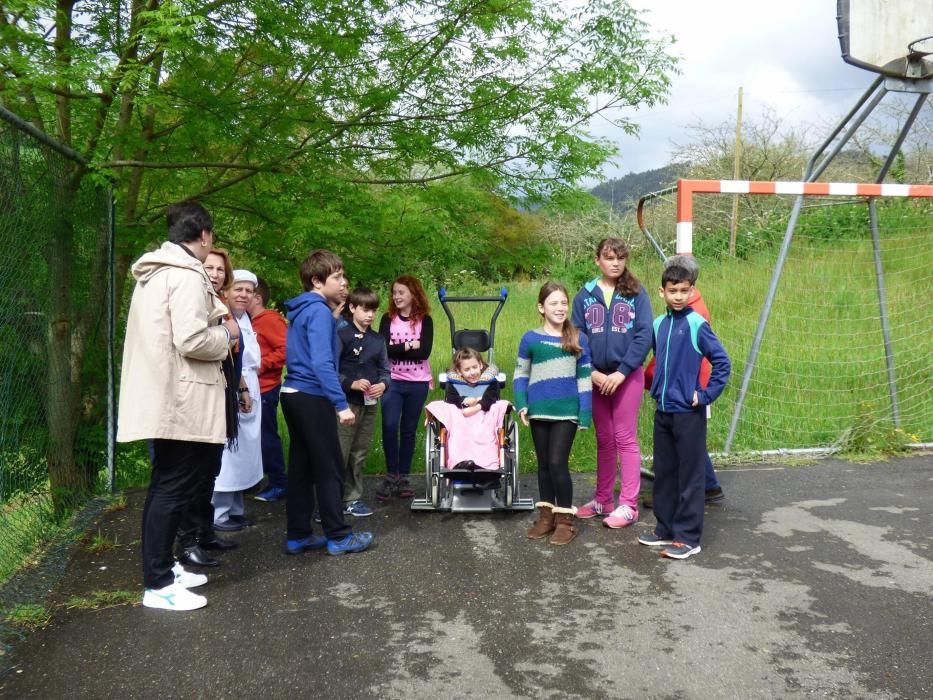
[(509, 496), (509, 488), (433, 456)]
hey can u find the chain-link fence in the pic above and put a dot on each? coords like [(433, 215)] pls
[(56, 328)]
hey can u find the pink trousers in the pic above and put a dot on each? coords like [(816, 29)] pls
[(616, 421)]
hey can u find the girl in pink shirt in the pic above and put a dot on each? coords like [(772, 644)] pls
[(409, 333)]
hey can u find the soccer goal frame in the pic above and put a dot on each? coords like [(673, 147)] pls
[(686, 190)]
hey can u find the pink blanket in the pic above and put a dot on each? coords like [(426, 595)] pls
[(476, 437)]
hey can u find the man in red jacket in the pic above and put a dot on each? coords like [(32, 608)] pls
[(271, 330)]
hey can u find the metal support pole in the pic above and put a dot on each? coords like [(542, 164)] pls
[(879, 267), (814, 172), (111, 349), (882, 303), (857, 115)]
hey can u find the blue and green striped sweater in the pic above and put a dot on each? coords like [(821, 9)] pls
[(553, 384)]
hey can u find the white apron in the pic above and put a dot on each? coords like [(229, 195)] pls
[(242, 468)]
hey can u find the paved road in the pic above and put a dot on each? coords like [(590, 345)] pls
[(813, 581)]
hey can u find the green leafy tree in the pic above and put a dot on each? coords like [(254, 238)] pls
[(282, 117)]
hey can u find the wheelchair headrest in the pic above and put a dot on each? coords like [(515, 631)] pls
[(478, 340)]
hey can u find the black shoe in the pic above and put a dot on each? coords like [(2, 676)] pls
[(197, 557), (229, 526), (218, 543), (243, 520), (714, 495)]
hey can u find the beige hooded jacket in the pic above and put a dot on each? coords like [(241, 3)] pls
[(172, 386)]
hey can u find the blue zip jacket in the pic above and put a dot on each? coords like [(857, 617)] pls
[(311, 349), (681, 340), (619, 335)]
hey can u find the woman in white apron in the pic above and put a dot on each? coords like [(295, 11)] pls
[(241, 467)]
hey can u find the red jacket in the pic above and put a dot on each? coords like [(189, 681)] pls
[(697, 304), (271, 330)]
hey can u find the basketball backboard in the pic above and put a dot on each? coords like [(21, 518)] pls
[(891, 37)]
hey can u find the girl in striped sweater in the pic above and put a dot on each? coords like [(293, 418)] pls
[(553, 394)]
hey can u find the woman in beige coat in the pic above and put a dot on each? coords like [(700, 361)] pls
[(172, 390)]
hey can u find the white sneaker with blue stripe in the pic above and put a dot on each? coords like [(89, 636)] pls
[(187, 579), (173, 597)]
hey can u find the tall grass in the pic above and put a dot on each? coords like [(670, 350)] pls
[(820, 377)]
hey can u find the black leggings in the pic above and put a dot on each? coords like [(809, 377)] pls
[(553, 440)]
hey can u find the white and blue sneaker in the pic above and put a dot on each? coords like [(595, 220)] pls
[(357, 509), (187, 579), (173, 597)]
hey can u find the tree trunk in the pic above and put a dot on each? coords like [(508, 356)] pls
[(75, 306), (68, 484)]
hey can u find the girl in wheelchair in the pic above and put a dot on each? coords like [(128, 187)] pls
[(471, 412), (471, 383)]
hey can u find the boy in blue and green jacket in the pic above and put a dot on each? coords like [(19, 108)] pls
[(681, 339)]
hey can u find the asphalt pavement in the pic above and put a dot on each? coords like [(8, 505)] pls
[(814, 580)]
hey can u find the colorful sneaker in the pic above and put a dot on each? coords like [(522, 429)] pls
[(403, 487), (714, 495), (187, 579), (173, 597), (271, 494), (357, 509), (387, 488), (354, 542), (592, 509), (653, 540), (309, 542), (679, 550), (623, 516)]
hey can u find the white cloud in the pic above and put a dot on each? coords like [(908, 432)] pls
[(784, 55)]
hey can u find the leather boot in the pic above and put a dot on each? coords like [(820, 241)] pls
[(544, 525), (564, 531)]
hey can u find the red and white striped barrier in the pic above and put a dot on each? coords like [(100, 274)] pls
[(687, 188)]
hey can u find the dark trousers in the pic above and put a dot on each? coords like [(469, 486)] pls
[(273, 460), (679, 475), (553, 440), (197, 520), (401, 411), (177, 467), (315, 465)]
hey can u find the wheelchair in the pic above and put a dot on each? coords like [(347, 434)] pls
[(466, 487)]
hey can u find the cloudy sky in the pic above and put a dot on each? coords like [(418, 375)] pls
[(784, 55)]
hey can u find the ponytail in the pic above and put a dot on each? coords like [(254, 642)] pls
[(570, 338)]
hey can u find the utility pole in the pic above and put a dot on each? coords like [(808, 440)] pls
[(736, 170)]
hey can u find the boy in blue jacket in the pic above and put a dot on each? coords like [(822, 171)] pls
[(313, 402), (682, 338)]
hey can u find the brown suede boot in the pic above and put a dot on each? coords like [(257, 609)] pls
[(544, 525), (564, 531)]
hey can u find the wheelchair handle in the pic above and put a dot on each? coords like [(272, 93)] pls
[(445, 300)]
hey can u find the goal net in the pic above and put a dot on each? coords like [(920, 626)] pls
[(821, 376)]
